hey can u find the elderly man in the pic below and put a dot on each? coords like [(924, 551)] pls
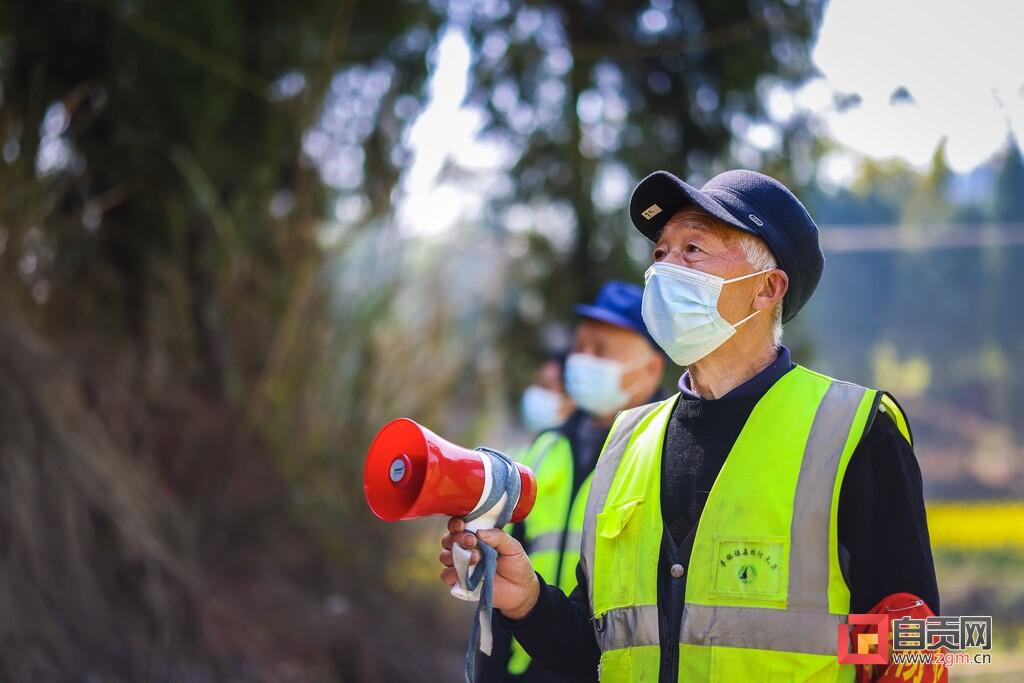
[(731, 528), (614, 365)]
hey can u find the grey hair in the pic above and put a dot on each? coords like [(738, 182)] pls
[(755, 249), (760, 257)]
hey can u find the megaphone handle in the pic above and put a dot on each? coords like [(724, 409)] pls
[(461, 556), (495, 509)]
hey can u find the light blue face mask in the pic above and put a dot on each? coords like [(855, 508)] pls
[(680, 309), (540, 408), (595, 384)]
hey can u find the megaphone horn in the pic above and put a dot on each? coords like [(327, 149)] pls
[(412, 472)]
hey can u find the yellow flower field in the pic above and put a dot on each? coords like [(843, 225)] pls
[(976, 526)]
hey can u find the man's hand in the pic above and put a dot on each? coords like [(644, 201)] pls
[(515, 584)]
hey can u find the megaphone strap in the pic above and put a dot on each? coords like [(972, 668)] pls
[(504, 481)]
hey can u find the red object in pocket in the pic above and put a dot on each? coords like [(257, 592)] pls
[(896, 606)]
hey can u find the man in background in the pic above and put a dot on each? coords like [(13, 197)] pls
[(614, 364), (545, 403)]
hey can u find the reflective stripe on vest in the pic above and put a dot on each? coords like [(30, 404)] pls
[(742, 627), (553, 541), (764, 593)]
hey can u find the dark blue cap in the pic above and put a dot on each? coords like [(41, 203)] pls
[(750, 201), (618, 303)]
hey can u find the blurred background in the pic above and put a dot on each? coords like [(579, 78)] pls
[(236, 238)]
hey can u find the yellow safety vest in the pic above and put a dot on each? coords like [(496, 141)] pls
[(554, 529), (764, 591)]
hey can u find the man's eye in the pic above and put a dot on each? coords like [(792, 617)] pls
[(659, 254), (692, 248)]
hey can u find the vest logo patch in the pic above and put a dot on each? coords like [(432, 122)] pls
[(752, 567)]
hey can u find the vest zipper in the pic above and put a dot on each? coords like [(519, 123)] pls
[(668, 672)]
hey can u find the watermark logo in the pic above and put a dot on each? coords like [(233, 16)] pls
[(932, 633), (872, 648), (929, 640)]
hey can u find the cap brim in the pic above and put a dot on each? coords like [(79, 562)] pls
[(606, 316), (661, 195)]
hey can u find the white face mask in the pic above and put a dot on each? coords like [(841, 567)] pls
[(680, 309), (540, 408), (595, 384)]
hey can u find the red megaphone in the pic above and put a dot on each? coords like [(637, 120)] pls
[(412, 472)]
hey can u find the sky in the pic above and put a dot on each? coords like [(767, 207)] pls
[(962, 64)]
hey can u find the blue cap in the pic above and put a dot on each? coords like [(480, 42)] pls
[(749, 201), (618, 303)]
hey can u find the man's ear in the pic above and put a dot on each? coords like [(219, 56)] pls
[(657, 364), (772, 289)]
